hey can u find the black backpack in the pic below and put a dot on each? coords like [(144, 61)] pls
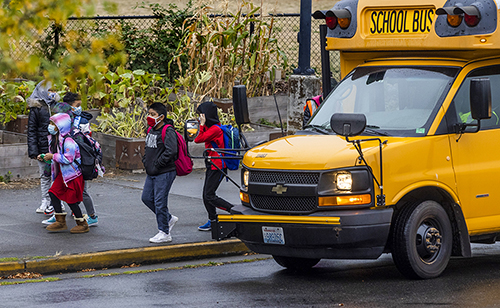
[(90, 156)]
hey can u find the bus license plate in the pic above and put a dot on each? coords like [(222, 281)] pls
[(273, 235)]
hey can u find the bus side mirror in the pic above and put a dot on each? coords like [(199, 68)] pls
[(191, 129), (348, 124), (240, 105), (480, 98)]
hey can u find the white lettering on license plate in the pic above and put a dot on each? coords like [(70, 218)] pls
[(273, 235)]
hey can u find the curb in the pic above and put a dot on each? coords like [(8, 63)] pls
[(118, 258)]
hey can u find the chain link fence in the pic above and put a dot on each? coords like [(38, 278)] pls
[(285, 28)]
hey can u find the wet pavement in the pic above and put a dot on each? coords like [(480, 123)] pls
[(124, 221)]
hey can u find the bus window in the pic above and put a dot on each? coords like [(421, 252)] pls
[(462, 98)]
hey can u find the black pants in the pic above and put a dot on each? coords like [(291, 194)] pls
[(56, 203), (210, 199)]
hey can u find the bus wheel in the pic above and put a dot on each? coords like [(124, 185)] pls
[(299, 264), (422, 240)]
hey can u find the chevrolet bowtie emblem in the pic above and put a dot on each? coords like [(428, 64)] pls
[(279, 189)]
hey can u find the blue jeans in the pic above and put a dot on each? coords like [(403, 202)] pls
[(155, 197)]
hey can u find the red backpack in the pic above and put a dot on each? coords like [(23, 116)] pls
[(183, 163)]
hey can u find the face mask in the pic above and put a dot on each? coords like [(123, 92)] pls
[(153, 121), (54, 96), (77, 110), (52, 129)]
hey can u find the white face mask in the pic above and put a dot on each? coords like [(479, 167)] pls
[(54, 96), (52, 129), (77, 110)]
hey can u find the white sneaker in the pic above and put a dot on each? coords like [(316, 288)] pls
[(41, 208), (172, 222), (49, 221), (161, 237)]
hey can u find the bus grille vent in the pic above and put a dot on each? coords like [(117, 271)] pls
[(276, 204)]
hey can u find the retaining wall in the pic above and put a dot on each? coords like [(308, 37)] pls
[(14, 156)]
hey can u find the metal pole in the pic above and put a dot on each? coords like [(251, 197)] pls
[(304, 39), (326, 73)]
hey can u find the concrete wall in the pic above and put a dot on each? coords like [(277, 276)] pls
[(14, 156), (264, 107), (301, 88)]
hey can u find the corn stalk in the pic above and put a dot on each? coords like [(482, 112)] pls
[(226, 49)]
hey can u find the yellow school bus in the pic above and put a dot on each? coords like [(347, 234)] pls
[(402, 157)]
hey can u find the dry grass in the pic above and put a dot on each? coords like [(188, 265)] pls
[(125, 7)]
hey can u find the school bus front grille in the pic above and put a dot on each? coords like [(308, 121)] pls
[(308, 178), (284, 204)]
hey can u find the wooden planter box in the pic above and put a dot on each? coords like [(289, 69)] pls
[(19, 125), (129, 153), (120, 152)]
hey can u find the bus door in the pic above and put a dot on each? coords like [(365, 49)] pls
[(476, 156)]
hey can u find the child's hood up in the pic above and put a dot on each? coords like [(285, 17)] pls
[(210, 111), (63, 123)]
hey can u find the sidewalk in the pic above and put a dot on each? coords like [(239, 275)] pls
[(125, 226)]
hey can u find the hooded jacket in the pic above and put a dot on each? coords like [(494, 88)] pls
[(211, 132), (41, 104), (310, 108), (82, 122), (38, 121), (68, 154), (160, 155)]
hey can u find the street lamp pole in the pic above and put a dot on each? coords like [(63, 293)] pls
[(304, 39)]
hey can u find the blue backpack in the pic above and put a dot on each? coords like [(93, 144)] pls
[(231, 141)]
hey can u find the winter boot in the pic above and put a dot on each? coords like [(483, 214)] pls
[(81, 226), (60, 223)]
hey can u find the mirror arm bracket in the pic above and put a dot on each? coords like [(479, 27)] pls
[(461, 127), (357, 146)]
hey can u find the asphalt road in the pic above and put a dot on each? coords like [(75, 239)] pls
[(472, 282)]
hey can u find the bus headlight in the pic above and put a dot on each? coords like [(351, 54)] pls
[(246, 176), (343, 180)]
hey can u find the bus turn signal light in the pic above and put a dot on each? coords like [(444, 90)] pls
[(344, 23), (453, 19), (244, 197), (345, 200)]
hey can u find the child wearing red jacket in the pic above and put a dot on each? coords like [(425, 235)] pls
[(210, 132)]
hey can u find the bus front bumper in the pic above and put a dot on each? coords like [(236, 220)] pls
[(349, 234)]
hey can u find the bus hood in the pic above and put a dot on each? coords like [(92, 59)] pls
[(306, 152)]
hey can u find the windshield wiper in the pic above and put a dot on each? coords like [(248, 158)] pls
[(376, 132), (372, 129), (318, 128)]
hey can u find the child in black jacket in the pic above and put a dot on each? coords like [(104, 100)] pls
[(159, 161)]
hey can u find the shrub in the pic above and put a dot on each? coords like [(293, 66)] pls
[(13, 99), (152, 49)]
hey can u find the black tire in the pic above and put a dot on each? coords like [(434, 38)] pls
[(415, 257), (298, 264)]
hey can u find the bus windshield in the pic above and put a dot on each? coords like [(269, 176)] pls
[(397, 101)]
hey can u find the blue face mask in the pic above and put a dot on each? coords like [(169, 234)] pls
[(52, 129), (77, 110)]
